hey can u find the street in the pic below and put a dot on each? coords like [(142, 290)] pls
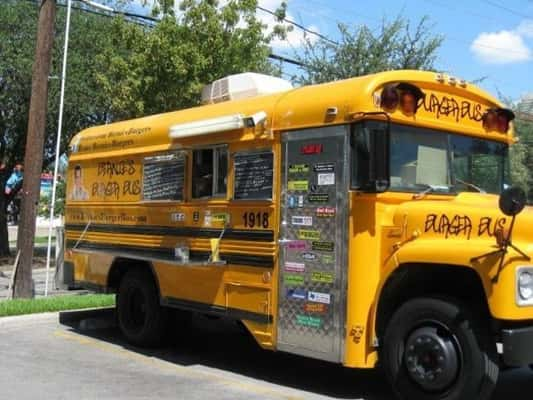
[(214, 360)]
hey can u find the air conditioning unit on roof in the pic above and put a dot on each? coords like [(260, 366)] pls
[(243, 86)]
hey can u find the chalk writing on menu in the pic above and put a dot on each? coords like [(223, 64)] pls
[(253, 175), (164, 177)]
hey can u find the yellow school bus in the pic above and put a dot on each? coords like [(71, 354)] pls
[(359, 221)]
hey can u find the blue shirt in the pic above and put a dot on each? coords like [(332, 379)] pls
[(14, 180)]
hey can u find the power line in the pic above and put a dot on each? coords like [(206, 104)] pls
[(299, 26), (286, 59), (509, 10)]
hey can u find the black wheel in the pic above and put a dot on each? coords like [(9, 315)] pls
[(436, 349), (140, 317)]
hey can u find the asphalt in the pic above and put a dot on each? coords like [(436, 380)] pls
[(212, 360)]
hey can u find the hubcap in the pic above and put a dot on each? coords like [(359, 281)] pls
[(431, 358)]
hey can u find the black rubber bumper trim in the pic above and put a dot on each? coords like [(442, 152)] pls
[(517, 346), (153, 230)]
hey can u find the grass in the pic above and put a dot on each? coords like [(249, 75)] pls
[(56, 303), (39, 240)]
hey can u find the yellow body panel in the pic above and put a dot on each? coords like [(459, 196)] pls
[(386, 230)]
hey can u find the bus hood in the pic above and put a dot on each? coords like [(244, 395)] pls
[(468, 216)]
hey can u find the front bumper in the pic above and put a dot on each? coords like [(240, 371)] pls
[(517, 346)]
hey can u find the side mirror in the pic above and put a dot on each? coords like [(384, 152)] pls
[(512, 201)]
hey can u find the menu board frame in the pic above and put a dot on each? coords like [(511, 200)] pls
[(235, 155), (166, 158)]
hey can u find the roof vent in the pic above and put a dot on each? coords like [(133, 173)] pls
[(243, 86)]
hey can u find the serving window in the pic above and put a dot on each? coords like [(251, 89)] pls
[(209, 172)]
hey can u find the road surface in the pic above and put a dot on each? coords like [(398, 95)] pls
[(214, 361)]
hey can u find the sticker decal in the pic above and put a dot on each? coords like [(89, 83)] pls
[(302, 220), (326, 179), (325, 212), (308, 234), (328, 259), (298, 168), (315, 308), (294, 266), (298, 186), (323, 246), (308, 256), (207, 218), (297, 294), (307, 320), (293, 280), (177, 217), (318, 197), (319, 297), (296, 245), (322, 277), (324, 167), (220, 218)]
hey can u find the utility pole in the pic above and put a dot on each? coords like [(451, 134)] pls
[(33, 158)]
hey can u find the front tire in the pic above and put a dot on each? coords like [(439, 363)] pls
[(140, 317), (435, 349)]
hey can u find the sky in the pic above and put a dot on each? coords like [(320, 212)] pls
[(490, 39)]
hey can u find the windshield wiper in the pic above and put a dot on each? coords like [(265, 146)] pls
[(470, 185), (428, 189)]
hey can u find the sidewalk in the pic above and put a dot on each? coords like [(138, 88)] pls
[(41, 228)]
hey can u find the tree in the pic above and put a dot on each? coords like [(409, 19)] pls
[(165, 67), (84, 101), (522, 157), (360, 51)]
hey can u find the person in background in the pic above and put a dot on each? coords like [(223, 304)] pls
[(11, 190)]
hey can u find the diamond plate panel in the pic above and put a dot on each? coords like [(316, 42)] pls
[(313, 233)]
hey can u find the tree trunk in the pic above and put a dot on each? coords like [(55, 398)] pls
[(33, 158), (4, 234)]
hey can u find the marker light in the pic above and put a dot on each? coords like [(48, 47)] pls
[(389, 98), (407, 96), (497, 119)]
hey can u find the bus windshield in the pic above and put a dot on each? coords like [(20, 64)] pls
[(440, 162)]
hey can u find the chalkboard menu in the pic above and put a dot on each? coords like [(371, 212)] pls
[(253, 176), (164, 177)]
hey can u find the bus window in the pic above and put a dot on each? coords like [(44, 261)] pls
[(209, 172)]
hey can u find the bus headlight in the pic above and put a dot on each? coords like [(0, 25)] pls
[(524, 286)]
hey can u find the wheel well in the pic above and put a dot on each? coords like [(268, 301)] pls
[(122, 265), (416, 280)]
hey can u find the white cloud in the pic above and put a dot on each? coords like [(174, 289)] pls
[(503, 47)]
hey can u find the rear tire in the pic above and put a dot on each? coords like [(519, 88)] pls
[(435, 349), (141, 318)]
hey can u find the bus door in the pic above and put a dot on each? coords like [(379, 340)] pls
[(312, 292)]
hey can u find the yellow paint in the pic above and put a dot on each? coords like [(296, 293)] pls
[(385, 231)]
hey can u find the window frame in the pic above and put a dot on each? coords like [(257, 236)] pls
[(216, 150)]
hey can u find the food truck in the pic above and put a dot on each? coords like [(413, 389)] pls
[(361, 221)]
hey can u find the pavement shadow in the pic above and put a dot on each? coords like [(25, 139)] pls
[(225, 345)]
